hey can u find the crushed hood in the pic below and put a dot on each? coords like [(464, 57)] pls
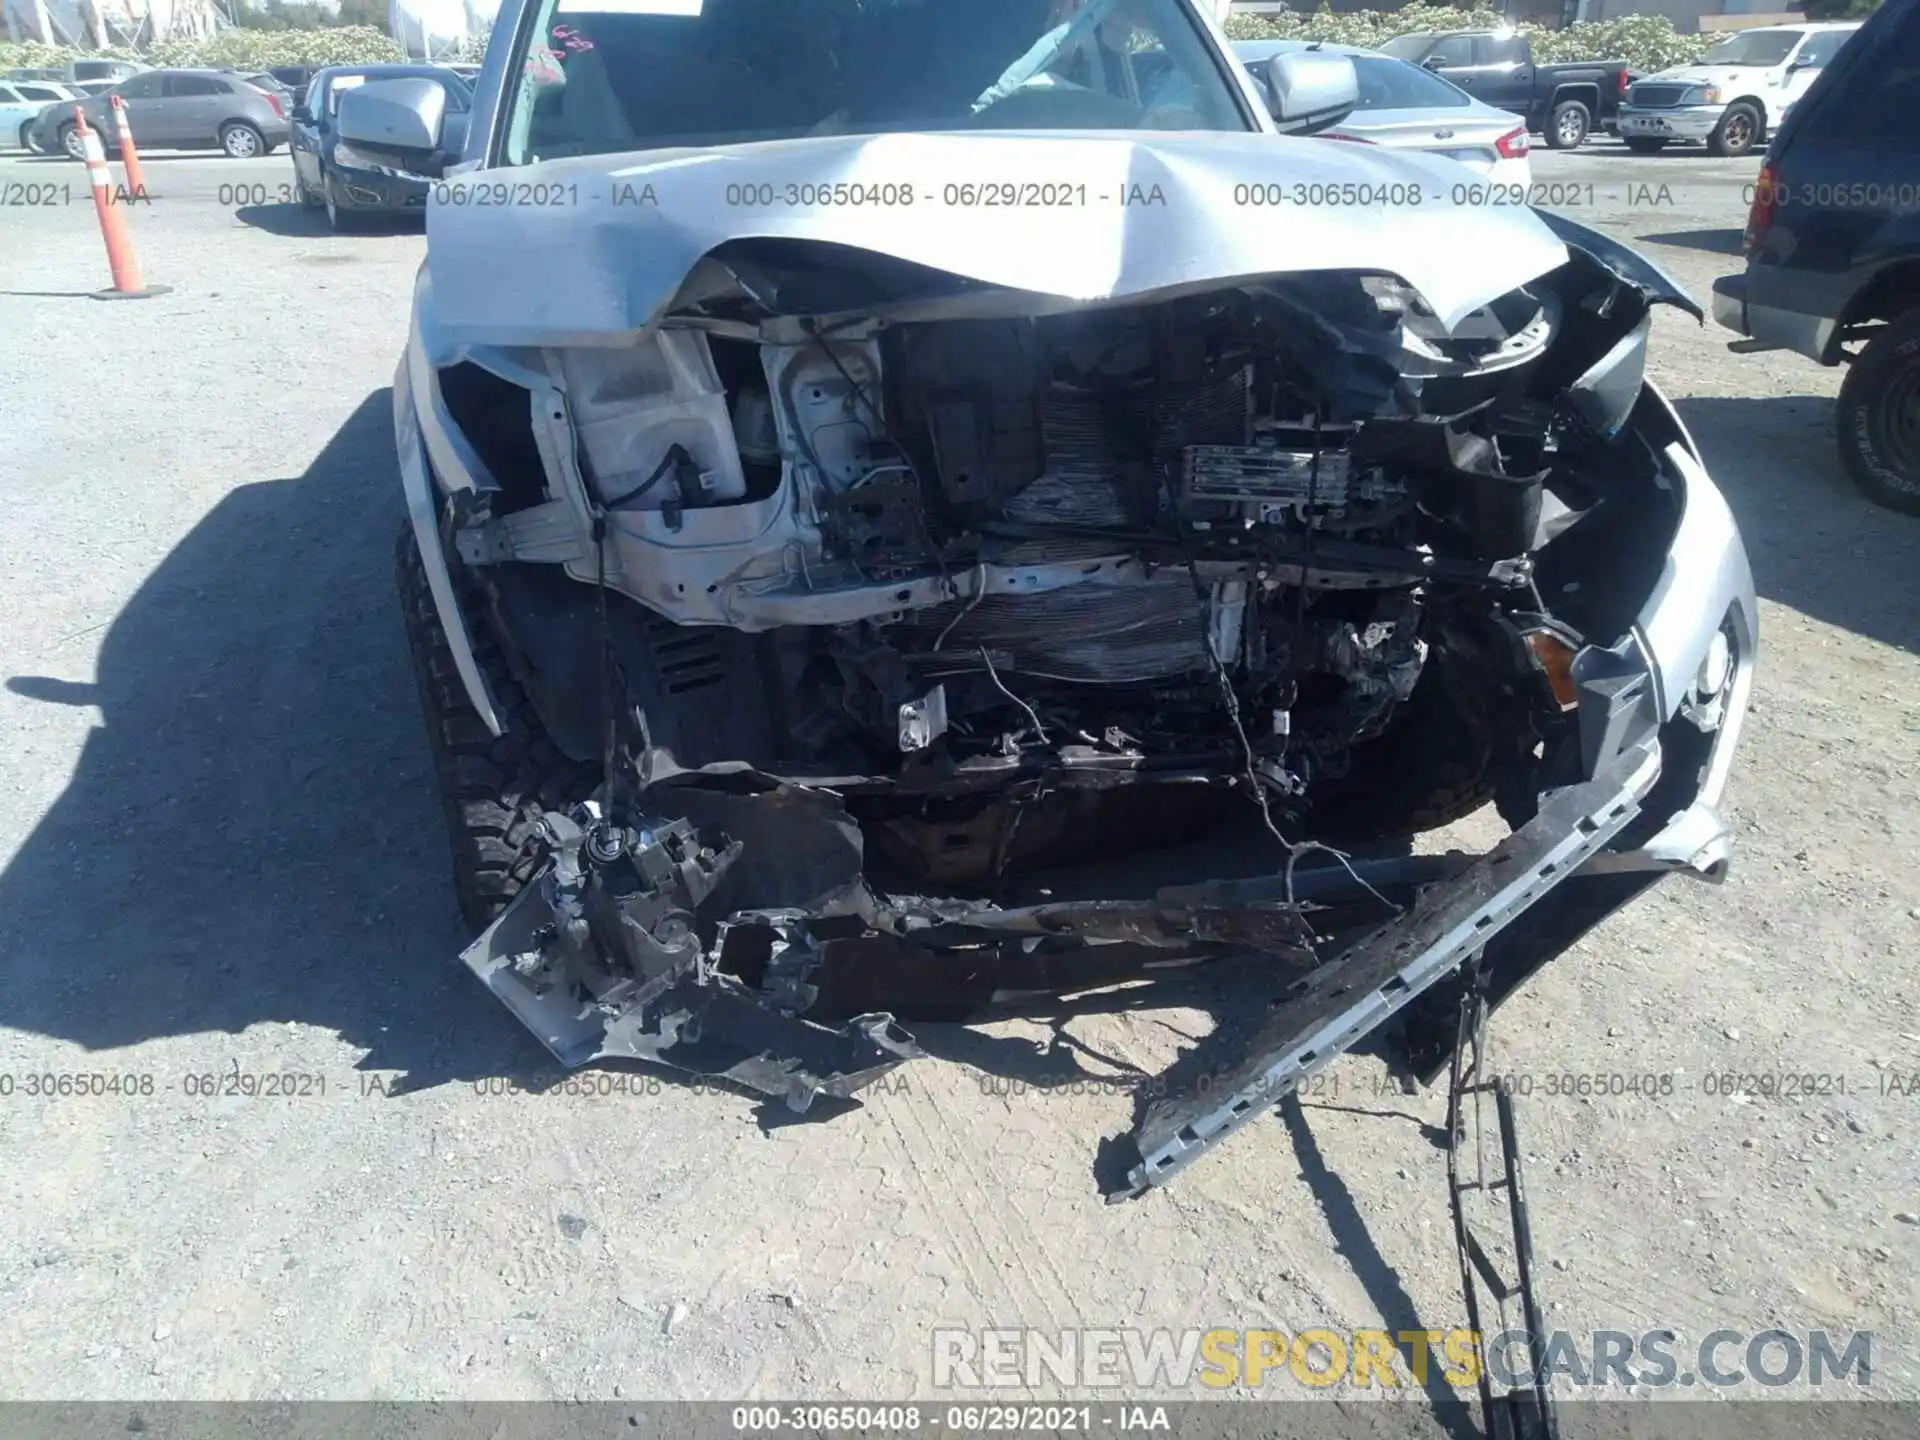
[(599, 246)]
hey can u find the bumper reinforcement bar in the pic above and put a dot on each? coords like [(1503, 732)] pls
[(1337, 1005)]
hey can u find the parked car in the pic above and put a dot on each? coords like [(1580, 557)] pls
[(1564, 103), (265, 80), (21, 102), (176, 110), (348, 183), (296, 78), (906, 582), (1735, 93), (112, 70), (76, 71), (1405, 107), (1833, 249)]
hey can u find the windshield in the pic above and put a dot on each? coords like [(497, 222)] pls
[(1755, 47), (618, 75), (1396, 85), (1407, 47)]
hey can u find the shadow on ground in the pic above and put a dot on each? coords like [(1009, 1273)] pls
[(251, 833), (296, 220), (1817, 544), (1714, 242)]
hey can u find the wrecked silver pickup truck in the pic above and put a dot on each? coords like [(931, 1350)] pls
[(917, 505)]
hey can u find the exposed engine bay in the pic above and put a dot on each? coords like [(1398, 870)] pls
[(1212, 539), (878, 628)]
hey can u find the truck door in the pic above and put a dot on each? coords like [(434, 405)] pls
[(1452, 57), (1503, 70)]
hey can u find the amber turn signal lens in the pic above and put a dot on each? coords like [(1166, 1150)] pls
[(1556, 661)]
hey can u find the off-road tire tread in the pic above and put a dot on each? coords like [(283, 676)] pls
[(1865, 375), (493, 788)]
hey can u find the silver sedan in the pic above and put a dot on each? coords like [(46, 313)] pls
[(1407, 108)]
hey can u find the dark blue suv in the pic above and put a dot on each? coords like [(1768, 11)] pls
[(1833, 249)]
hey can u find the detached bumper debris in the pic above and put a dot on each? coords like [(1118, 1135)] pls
[(602, 957), (1347, 1000), (632, 892)]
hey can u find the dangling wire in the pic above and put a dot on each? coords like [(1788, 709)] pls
[(1230, 700)]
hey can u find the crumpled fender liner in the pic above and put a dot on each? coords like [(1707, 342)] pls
[(1342, 1002)]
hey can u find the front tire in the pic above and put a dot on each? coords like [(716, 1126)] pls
[(1877, 419), (1440, 759), (26, 138), (1644, 144), (71, 144), (1569, 126), (342, 220), (242, 141), (493, 789), (1737, 133)]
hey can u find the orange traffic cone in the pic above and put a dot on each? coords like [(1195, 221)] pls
[(128, 284), (129, 157)]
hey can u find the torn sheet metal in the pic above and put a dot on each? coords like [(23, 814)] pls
[(686, 1017), (1649, 281), (1342, 1002), (603, 955), (1160, 216)]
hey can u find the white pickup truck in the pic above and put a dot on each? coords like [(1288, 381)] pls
[(1734, 94)]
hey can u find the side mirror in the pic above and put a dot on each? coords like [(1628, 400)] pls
[(1311, 91), (396, 122), (300, 115)]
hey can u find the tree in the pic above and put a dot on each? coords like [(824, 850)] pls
[(363, 12)]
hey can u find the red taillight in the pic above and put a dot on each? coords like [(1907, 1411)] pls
[(274, 100), (1760, 213), (1512, 145), (1625, 80)]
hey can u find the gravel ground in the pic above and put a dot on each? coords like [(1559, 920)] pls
[(221, 853)]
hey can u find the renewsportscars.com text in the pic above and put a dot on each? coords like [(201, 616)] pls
[(1146, 1360)]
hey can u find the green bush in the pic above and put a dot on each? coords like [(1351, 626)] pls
[(1647, 42), (240, 49)]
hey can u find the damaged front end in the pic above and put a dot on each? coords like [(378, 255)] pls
[(934, 644)]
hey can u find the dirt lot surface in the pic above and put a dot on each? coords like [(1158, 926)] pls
[(221, 855)]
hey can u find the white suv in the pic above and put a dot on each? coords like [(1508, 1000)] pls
[(1735, 93)]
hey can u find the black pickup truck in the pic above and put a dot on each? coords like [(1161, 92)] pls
[(1565, 103)]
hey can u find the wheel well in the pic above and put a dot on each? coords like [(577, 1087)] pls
[(1889, 295), (1587, 95), (1755, 101)]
